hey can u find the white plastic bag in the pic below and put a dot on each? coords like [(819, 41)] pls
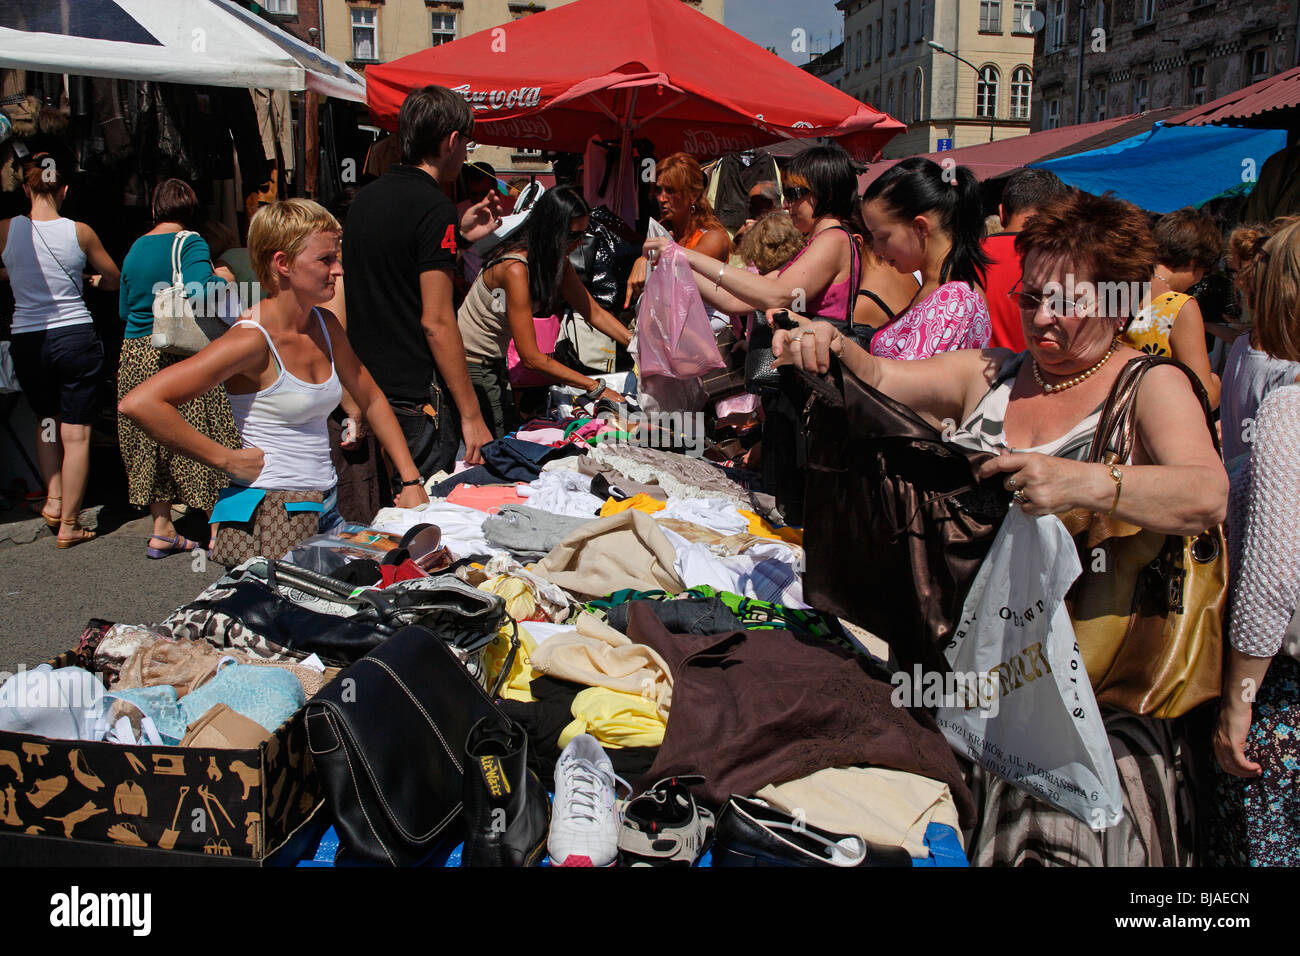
[(1034, 722)]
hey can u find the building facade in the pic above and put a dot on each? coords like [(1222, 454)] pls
[(1146, 54), (887, 61), (363, 32)]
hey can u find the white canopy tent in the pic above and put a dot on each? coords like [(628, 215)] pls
[(204, 42)]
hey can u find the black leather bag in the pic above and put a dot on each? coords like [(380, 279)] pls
[(462, 616), (761, 376), (388, 739)]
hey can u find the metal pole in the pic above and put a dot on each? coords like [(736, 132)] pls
[(1078, 87), (992, 113)]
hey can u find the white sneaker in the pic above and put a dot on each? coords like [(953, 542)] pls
[(584, 818)]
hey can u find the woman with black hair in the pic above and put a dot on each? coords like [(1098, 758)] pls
[(820, 190), (521, 279), (927, 218)]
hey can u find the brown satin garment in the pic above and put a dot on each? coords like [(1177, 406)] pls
[(897, 524)]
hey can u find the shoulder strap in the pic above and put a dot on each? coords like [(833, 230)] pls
[(329, 345), (1113, 440), (178, 244), (57, 260), (889, 314), (275, 356)]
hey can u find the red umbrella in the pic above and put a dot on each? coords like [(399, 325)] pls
[(622, 68)]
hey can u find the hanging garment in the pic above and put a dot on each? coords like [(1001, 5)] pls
[(731, 181)]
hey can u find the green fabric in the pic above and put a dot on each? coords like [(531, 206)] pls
[(574, 425)]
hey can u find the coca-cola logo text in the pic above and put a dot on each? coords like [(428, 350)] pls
[(704, 142), (522, 128), (524, 97)]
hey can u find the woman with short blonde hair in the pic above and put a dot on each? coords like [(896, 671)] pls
[(284, 365)]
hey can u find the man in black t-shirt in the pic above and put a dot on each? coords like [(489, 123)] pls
[(399, 250)]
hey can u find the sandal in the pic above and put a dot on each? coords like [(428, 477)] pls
[(176, 545), (51, 522), (82, 535)]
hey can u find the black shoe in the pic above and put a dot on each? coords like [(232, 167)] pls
[(507, 812), (750, 833)]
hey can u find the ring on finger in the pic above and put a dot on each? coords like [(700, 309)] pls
[(1018, 496), (1012, 484)]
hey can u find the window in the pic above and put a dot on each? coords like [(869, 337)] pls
[(281, 6), (902, 99), (1146, 11), (868, 43), (880, 37), (893, 30), (857, 52), (1098, 103), (1022, 18), (907, 22), (365, 35), (1196, 84), (444, 28), (918, 104), (986, 92), (1141, 94), (1052, 114), (1258, 64), (1100, 20), (921, 23), (875, 96), (990, 16), (1022, 85), (1055, 25), (889, 100)]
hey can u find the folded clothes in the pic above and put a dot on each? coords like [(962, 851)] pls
[(765, 571), (638, 502), (596, 655), (626, 550), (475, 475), (515, 460), (562, 493), (462, 528), (716, 514), (485, 498), (528, 533), (64, 703), (542, 436)]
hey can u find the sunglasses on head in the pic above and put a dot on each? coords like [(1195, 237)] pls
[(794, 193)]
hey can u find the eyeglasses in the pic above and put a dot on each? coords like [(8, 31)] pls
[(1057, 303), (792, 194)]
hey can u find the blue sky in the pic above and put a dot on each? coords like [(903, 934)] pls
[(771, 22)]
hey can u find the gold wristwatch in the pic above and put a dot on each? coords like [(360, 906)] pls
[(1118, 477)]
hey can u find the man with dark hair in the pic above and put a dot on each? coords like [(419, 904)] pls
[(1026, 191), (399, 244)]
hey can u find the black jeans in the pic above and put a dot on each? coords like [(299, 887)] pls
[(432, 441)]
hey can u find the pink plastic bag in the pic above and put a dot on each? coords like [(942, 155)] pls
[(674, 338), (521, 376)]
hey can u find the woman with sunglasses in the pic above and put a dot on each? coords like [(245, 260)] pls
[(523, 278), (1037, 411), (820, 191)]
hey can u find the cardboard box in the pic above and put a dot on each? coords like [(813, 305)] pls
[(225, 805)]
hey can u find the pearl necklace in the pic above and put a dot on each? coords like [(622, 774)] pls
[(1071, 382)]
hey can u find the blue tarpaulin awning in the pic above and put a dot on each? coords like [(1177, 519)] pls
[(1170, 167)]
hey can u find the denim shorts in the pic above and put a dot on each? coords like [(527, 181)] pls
[(60, 371), (330, 519)]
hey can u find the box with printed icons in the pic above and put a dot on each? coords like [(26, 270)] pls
[(103, 803)]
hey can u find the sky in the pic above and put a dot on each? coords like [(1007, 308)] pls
[(772, 22)]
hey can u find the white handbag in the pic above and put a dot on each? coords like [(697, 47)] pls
[(177, 329)]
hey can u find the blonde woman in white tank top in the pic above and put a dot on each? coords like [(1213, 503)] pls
[(285, 343)]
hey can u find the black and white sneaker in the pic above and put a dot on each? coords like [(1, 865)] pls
[(665, 827)]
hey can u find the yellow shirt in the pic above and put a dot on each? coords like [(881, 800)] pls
[(1150, 328)]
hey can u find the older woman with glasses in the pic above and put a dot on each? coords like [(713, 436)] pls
[(1037, 411)]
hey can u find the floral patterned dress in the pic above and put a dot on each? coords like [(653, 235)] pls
[(1150, 328), (953, 316)]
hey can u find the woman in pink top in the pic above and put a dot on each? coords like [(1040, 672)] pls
[(820, 190), (929, 218)]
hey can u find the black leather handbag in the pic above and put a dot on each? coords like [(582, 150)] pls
[(461, 615), (388, 738)]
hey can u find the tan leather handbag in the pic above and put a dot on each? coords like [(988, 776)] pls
[(1148, 607)]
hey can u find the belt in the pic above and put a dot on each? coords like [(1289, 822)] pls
[(484, 362)]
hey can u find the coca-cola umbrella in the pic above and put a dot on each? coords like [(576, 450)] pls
[(631, 68)]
